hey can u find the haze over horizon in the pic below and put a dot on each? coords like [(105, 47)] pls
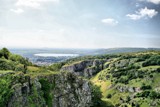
[(79, 23)]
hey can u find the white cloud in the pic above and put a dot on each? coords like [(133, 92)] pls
[(33, 3), (152, 1), (110, 21), (18, 11), (143, 13)]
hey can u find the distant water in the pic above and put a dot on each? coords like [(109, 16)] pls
[(55, 55)]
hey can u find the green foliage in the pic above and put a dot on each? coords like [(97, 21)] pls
[(46, 88), (143, 94), (20, 59), (106, 104), (1, 54), (128, 70), (6, 65), (158, 70), (154, 60), (109, 96), (5, 90), (55, 67), (19, 67), (4, 52), (96, 96), (143, 57), (146, 87), (9, 61), (151, 94), (124, 75)]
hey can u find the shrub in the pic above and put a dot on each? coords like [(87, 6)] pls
[(5, 90), (146, 87), (96, 96), (46, 88), (158, 70), (6, 65), (154, 60), (109, 96), (55, 67), (143, 94), (153, 94), (5, 52)]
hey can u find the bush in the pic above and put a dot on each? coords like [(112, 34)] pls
[(6, 65), (5, 90), (1, 54), (96, 96), (109, 96), (143, 94), (153, 94), (154, 60), (146, 87), (158, 70), (5, 52), (55, 67), (46, 88)]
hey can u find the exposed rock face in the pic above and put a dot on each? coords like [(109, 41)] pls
[(24, 91), (77, 67), (72, 92), (122, 63), (89, 72), (64, 90), (126, 89), (85, 68)]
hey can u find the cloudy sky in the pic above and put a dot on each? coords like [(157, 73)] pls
[(79, 23)]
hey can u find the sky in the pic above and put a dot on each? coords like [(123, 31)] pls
[(79, 23)]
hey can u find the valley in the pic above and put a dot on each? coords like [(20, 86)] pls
[(109, 80)]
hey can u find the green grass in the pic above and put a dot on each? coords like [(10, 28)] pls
[(149, 67), (72, 63), (33, 75), (33, 69), (156, 80), (5, 71)]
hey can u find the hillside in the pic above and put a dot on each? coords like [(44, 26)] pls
[(129, 80), (48, 60), (23, 84)]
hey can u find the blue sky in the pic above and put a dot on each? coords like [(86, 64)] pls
[(79, 23)]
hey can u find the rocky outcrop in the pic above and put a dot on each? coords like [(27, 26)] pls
[(26, 92), (124, 88), (54, 90), (72, 92), (77, 67), (85, 68), (122, 63), (90, 71)]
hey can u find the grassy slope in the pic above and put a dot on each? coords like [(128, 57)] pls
[(107, 85)]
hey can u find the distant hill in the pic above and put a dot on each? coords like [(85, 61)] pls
[(121, 50), (30, 53)]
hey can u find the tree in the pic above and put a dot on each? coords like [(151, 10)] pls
[(109, 96), (153, 94), (25, 69), (96, 95), (25, 65), (1, 54), (5, 52)]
